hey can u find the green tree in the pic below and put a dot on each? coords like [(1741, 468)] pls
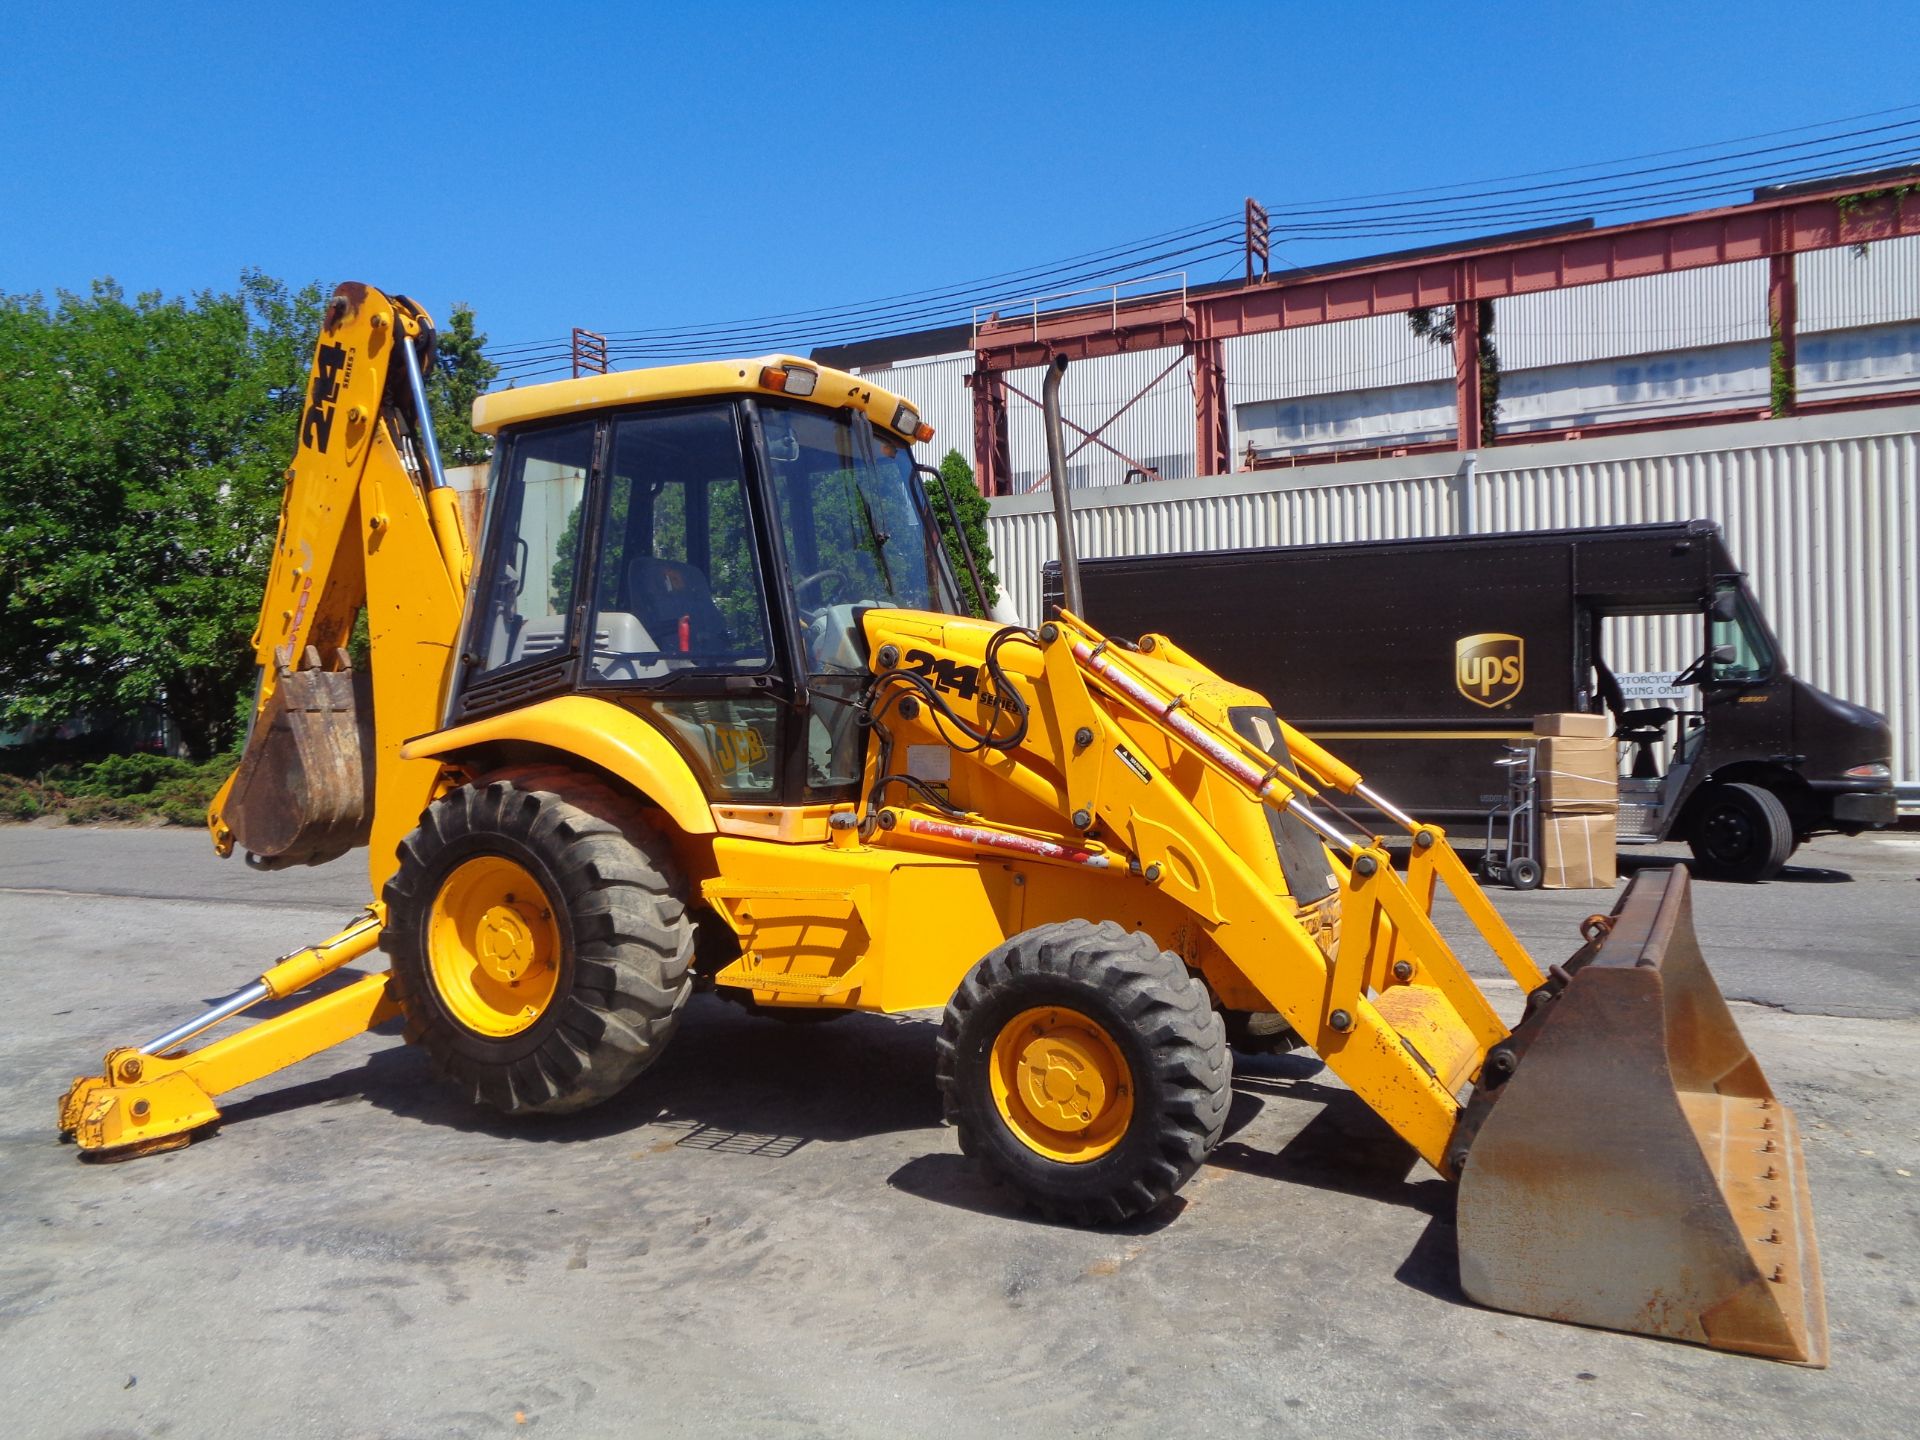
[(1437, 329), (461, 372), (956, 481), (142, 443)]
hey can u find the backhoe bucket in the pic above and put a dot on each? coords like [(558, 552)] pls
[(1626, 1165), (303, 793)]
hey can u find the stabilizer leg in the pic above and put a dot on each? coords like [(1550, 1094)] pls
[(146, 1099)]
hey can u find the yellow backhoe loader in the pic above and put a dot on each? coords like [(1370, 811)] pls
[(708, 708)]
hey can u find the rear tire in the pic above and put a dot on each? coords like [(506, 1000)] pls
[(1085, 1070), (548, 1002), (1739, 832)]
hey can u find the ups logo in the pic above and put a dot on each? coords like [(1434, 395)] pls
[(1489, 669)]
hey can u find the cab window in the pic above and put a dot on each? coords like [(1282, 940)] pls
[(540, 495), (1752, 657), (677, 588)]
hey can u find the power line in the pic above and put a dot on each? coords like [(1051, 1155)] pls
[(1869, 155), (1448, 210), (859, 321), (1621, 160), (1578, 207), (1035, 272)]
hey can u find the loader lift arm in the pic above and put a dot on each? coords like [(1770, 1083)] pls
[(1642, 1089), (366, 521)]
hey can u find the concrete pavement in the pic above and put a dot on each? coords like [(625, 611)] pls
[(772, 1234)]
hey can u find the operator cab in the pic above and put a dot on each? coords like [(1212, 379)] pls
[(703, 559)]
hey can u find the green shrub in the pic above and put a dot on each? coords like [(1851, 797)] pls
[(127, 775), (90, 809), (120, 787), (20, 799)]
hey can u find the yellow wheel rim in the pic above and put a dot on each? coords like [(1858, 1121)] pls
[(493, 946), (1061, 1084)]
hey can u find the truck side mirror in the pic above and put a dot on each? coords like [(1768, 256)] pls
[(1724, 655), (1724, 606)]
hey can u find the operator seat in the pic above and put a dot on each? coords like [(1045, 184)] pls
[(668, 595), (1643, 728)]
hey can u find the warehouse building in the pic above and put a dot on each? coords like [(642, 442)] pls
[(1652, 350), (1757, 365)]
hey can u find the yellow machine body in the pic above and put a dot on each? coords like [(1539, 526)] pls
[(1127, 783)]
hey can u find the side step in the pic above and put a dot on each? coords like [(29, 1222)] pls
[(1630, 1168)]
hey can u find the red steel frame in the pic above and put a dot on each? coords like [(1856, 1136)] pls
[(1775, 230)]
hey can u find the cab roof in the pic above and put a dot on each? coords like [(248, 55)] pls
[(768, 375)]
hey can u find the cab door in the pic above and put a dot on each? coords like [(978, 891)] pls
[(679, 626)]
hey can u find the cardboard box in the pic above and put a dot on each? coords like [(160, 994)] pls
[(1577, 769), (1588, 727), (1577, 851)]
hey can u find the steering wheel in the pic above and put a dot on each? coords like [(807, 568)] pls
[(819, 577), (1692, 674)]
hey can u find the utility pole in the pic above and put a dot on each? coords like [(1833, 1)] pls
[(1259, 238), (589, 353)]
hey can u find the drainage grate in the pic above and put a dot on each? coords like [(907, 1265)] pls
[(739, 1142)]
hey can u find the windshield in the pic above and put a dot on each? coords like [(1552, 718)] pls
[(852, 518), (854, 524), (1752, 656)]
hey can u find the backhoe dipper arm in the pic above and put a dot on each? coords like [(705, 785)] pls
[(366, 521)]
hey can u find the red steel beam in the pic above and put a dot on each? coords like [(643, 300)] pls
[(1758, 230)]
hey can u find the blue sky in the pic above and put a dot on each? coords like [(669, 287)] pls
[(625, 166)]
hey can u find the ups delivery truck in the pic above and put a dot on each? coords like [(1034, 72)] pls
[(1421, 660)]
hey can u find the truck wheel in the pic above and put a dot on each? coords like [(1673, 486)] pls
[(1739, 832), (1524, 873), (540, 941), (1085, 1070)]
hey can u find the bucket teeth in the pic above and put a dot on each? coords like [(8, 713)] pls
[(1634, 1171)]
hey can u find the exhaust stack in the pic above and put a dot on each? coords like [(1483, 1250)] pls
[(1070, 598)]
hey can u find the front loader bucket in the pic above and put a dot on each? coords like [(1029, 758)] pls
[(1625, 1165), (303, 793)]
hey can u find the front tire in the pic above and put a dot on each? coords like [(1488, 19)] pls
[(1739, 832), (540, 941), (1085, 1070)]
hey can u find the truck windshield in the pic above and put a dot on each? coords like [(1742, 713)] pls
[(851, 519), (1752, 655)]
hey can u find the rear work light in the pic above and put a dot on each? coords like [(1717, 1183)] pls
[(1878, 770), (789, 379), (908, 423)]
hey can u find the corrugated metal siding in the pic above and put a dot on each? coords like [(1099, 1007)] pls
[(1829, 531), (1823, 510), (1142, 522), (1858, 362), (1718, 305), (1156, 430), (1354, 419), (1843, 288), (937, 386), (1369, 354)]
